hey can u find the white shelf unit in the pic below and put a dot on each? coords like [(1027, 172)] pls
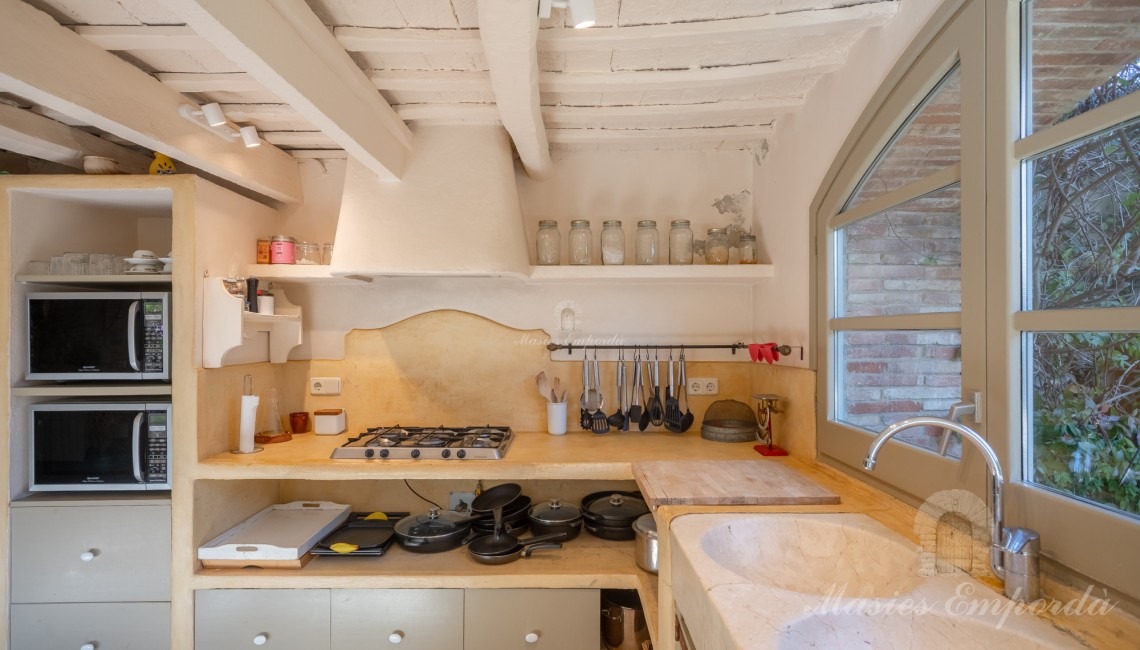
[(227, 325), (692, 273), (95, 280)]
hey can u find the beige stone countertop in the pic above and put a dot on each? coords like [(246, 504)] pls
[(577, 455)]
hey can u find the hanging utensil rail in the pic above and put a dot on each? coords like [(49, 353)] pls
[(784, 350)]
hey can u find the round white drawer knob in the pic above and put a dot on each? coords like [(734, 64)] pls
[(87, 556), (396, 637), (87, 646), (531, 637), (261, 639)]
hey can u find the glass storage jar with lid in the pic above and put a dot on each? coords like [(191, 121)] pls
[(680, 242), (307, 252), (647, 241), (548, 243), (716, 246), (613, 243), (579, 240), (748, 249)]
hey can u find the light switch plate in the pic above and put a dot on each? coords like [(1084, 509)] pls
[(324, 385)]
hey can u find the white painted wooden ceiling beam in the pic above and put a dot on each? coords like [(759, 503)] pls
[(51, 65), (204, 82), (508, 30), (658, 115), (790, 25), (28, 134), (673, 136), (587, 82), (283, 45)]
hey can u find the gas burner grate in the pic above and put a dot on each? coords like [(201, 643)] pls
[(441, 442)]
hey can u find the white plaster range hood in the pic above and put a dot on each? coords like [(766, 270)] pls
[(455, 211)]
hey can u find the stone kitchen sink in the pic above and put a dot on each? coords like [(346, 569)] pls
[(832, 580)]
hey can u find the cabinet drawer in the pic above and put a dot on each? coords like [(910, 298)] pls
[(90, 554), (403, 619), (274, 619), (123, 626), (557, 619)]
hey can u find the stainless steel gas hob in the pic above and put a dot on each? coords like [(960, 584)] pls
[(428, 443)]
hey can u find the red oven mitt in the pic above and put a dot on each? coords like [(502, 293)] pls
[(766, 351)]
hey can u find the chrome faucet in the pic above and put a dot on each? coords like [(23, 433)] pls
[(1013, 551)]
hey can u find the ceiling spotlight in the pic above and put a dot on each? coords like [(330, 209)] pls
[(213, 114), (249, 136), (582, 12)]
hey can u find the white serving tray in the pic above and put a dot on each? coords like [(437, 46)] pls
[(278, 536)]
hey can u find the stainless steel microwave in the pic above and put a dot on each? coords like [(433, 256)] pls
[(99, 445), (99, 335)]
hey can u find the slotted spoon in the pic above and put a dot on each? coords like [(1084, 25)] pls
[(599, 423)]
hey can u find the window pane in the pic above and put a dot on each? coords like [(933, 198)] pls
[(904, 260), (1085, 223), (1086, 416), (928, 141), (1082, 54), (890, 375)]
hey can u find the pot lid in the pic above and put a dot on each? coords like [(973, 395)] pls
[(646, 525), (555, 512), (617, 507), (435, 523)]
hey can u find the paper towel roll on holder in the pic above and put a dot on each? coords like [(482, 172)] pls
[(248, 421)]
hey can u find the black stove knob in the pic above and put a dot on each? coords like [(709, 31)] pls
[(446, 453), (383, 453), (415, 453), (462, 453), (369, 453)]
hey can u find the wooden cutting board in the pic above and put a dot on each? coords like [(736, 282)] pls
[(727, 482)]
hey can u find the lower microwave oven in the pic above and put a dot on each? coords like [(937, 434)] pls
[(104, 445)]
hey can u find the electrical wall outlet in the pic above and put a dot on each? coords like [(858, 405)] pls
[(460, 501), (324, 385), (703, 385)]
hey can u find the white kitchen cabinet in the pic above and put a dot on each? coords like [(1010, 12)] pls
[(546, 619), (98, 626), (401, 619), (276, 619), (90, 553)]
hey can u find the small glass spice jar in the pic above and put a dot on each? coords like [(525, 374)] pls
[(548, 244), (326, 253), (281, 249), (748, 249), (647, 241), (580, 242), (680, 242), (613, 243), (716, 246), (307, 252)]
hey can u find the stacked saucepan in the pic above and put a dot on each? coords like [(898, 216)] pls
[(610, 514)]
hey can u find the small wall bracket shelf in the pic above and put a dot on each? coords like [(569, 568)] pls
[(227, 325)]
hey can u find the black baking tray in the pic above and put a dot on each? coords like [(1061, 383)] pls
[(371, 535)]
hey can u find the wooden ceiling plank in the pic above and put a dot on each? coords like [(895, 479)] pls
[(408, 40), (850, 19), (509, 31), (53, 66), (586, 82), (283, 45), (28, 134), (122, 38), (603, 136)]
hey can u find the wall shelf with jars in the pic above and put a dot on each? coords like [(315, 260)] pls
[(732, 273)]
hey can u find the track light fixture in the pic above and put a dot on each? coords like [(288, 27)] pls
[(211, 118), (582, 12)]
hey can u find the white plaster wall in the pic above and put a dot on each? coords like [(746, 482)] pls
[(787, 180), (314, 219)]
